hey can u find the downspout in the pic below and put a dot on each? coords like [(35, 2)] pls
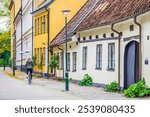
[(112, 28), (32, 27), (21, 39), (62, 61), (140, 47), (48, 40)]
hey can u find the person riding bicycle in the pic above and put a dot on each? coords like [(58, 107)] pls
[(29, 66)]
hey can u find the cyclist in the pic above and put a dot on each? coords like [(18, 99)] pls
[(29, 67)]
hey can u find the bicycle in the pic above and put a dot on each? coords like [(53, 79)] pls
[(29, 78)]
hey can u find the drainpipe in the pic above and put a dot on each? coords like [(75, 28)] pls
[(21, 39), (48, 40), (112, 28), (62, 61), (140, 47), (32, 26)]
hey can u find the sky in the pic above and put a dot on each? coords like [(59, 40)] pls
[(3, 23)]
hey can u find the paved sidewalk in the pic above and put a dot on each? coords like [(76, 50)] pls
[(44, 89)]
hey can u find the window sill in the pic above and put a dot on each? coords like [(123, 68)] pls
[(73, 70), (98, 68), (110, 69), (83, 68)]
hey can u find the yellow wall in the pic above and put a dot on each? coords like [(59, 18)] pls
[(57, 21), (57, 18), (38, 3), (13, 12), (12, 15), (17, 6)]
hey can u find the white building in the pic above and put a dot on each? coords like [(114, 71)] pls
[(110, 42), (24, 33)]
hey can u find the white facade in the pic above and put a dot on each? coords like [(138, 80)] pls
[(104, 76), (26, 28)]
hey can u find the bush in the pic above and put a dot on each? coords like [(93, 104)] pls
[(87, 81), (112, 87), (139, 89)]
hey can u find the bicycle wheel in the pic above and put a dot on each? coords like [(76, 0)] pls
[(29, 78)]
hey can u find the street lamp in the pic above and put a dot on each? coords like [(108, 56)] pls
[(66, 12)]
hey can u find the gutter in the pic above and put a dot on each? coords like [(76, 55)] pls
[(62, 62), (140, 47), (112, 28), (44, 7), (48, 40)]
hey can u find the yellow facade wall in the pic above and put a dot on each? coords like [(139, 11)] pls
[(57, 22), (17, 6), (38, 3), (12, 15)]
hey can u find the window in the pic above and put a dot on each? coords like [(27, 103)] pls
[(104, 35), (84, 58), (90, 37), (131, 27), (79, 39), (111, 56), (74, 57), (96, 36), (99, 57), (43, 56), (44, 24), (84, 38), (35, 26), (41, 25), (58, 61), (37, 55), (40, 57), (61, 60), (112, 34), (68, 63), (38, 26)]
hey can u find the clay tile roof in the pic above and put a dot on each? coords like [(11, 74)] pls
[(111, 11), (75, 21), (102, 12)]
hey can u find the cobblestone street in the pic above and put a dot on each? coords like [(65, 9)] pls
[(43, 89)]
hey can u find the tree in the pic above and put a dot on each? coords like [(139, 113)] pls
[(5, 47), (5, 12), (5, 42), (54, 63), (4, 8)]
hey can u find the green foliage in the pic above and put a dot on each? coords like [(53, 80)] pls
[(87, 81), (34, 60), (54, 62), (4, 8), (139, 89), (5, 42), (112, 87), (5, 12)]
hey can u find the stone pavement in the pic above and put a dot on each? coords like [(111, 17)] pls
[(43, 89)]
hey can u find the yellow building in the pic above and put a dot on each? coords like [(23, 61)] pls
[(14, 7), (48, 22)]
